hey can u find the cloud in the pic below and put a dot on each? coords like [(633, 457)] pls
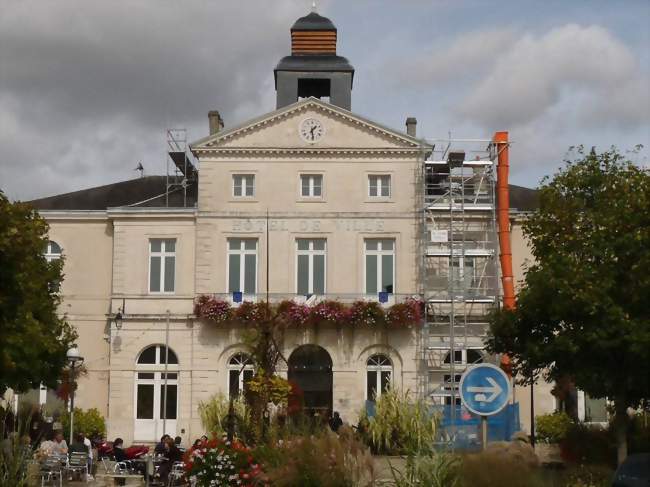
[(87, 89), (584, 67)]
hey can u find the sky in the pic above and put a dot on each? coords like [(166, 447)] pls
[(87, 89)]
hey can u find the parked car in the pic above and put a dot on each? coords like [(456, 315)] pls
[(633, 472)]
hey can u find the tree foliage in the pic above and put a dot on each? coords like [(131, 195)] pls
[(33, 338), (583, 308)]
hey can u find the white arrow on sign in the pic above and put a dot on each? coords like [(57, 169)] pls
[(494, 389)]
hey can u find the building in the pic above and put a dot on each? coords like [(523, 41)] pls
[(308, 202)]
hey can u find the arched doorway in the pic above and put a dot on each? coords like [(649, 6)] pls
[(310, 367)]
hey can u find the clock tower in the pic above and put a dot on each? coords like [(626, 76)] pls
[(313, 68)]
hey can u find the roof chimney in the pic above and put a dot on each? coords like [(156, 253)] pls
[(215, 120), (411, 123)]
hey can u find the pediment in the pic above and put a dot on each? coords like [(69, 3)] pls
[(279, 131)]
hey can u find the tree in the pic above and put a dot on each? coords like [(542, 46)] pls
[(582, 311), (33, 338)]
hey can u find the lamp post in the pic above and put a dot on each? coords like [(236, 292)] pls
[(75, 360)]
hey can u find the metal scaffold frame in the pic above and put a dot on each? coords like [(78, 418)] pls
[(459, 270), (181, 173)]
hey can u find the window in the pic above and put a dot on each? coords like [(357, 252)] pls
[(463, 357), (52, 251), (310, 266), (155, 355), (379, 371), (242, 265), (150, 385), (243, 185), (240, 371), (449, 386), (380, 265), (464, 274), (162, 265), (379, 186), (311, 185)]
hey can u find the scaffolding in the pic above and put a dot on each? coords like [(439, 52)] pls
[(181, 173), (459, 278)]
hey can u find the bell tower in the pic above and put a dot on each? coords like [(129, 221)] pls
[(313, 68)]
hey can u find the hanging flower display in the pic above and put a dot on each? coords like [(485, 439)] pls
[(294, 314), (367, 313), (328, 312), (215, 310), (405, 314), (360, 313), (221, 463), (248, 312)]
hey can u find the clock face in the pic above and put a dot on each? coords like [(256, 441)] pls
[(311, 130)]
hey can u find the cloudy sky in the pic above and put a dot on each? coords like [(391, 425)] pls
[(87, 89)]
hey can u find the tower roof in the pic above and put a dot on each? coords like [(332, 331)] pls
[(313, 21)]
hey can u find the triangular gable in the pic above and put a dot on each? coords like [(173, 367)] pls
[(279, 130)]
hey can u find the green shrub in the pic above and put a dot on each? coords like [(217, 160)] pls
[(437, 470), (15, 452), (587, 476), (324, 460), (489, 469), (588, 444), (639, 433), (401, 425), (552, 428), (89, 422), (214, 415)]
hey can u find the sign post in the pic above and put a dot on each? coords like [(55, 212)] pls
[(484, 391)]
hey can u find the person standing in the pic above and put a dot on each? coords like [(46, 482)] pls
[(335, 422)]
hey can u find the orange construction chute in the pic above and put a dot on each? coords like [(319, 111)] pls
[(503, 224)]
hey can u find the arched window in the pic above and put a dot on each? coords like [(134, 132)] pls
[(52, 251), (156, 405), (240, 371), (379, 373), (155, 355)]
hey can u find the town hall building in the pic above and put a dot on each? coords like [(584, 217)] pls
[(309, 202)]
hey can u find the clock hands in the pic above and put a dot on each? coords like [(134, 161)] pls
[(311, 131)]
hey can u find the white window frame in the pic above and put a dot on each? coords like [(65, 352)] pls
[(158, 381), (312, 184), (311, 253), (238, 367), (241, 252), (382, 363), (378, 253), (244, 185), (51, 254), (463, 355), (163, 254), (377, 179)]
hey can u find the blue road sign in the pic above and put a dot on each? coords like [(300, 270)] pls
[(484, 389)]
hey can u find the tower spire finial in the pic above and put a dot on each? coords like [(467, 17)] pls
[(313, 6)]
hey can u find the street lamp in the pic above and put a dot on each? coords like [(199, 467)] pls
[(75, 360)]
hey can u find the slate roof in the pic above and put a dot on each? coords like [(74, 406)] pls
[(148, 191)]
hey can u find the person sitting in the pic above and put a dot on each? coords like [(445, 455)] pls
[(118, 450), (78, 446), (177, 441), (59, 447), (160, 447)]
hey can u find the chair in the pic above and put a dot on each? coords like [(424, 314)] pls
[(176, 474), (52, 470), (78, 463)]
